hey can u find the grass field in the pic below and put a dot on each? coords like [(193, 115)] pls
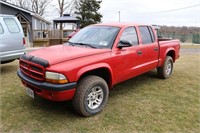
[(142, 104)]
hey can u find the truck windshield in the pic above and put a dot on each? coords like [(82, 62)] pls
[(95, 37)]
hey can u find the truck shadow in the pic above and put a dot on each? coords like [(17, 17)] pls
[(65, 109), (134, 83), (56, 109), (9, 67)]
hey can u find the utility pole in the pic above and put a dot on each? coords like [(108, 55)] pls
[(119, 16)]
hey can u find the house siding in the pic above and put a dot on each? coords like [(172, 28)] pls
[(34, 22), (12, 11)]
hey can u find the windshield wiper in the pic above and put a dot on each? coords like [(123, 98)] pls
[(76, 43), (88, 45), (85, 44), (70, 43)]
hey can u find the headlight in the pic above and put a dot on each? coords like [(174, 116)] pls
[(55, 77)]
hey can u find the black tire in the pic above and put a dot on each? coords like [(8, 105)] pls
[(166, 70), (88, 89)]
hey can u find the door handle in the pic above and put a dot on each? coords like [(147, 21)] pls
[(156, 49), (139, 52)]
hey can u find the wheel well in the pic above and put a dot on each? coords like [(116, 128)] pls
[(101, 72), (172, 54)]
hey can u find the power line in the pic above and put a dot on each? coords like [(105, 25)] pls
[(172, 10)]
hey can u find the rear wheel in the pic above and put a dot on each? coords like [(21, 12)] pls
[(166, 70), (91, 95)]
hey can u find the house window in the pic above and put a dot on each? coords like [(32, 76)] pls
[(45, 26), (40, 25), (35, 24), (11, 25)]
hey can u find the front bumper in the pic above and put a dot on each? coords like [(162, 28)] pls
[(54, 92)]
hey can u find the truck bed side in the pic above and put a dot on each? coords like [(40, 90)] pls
[(168, 47)]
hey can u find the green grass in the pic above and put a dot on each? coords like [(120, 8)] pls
[(142, 104)]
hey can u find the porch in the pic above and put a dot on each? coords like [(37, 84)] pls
[(42, 38)]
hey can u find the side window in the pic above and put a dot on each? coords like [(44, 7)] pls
[(146, 37), (152, 34), (130, 34), (11, 25), (1, 29)]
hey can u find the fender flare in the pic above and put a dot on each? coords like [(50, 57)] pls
[(165, 55), (170, 49), (93, 67)]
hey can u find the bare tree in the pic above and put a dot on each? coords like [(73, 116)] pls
[(39, 6), (74, 4), (63, 5), (23, 3)]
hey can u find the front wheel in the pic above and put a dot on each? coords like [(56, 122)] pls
[(91, 95), (166, 70)]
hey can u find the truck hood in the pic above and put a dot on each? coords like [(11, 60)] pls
[(60, 53)]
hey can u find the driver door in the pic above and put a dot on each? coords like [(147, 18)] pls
[(128, 57)]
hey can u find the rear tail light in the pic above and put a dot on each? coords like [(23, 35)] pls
[(24, 41)]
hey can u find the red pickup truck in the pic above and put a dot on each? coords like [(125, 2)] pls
[(95, 59)]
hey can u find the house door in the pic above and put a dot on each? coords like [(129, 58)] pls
[(26, 34)]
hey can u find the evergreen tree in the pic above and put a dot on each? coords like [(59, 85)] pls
[(87, 12)]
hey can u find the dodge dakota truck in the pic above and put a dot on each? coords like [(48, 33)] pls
[(94, 60)]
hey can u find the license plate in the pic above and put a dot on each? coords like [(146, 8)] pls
[(30, 92)]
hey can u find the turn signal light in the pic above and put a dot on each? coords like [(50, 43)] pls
[(55, 81)]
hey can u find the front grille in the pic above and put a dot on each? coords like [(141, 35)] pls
[(32, 70)]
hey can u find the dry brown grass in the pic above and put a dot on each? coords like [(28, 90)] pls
[(190, 46), (141, 104)]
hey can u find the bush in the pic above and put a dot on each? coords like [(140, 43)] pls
[(183, 38), (196, 38)]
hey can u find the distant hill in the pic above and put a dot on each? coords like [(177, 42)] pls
[(184, 34)]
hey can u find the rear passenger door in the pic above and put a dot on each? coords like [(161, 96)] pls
[(148, 49)]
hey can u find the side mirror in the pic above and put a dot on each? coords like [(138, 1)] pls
[(124, 43)]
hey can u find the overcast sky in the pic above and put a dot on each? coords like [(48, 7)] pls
[(146, 11), (161, 12)]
